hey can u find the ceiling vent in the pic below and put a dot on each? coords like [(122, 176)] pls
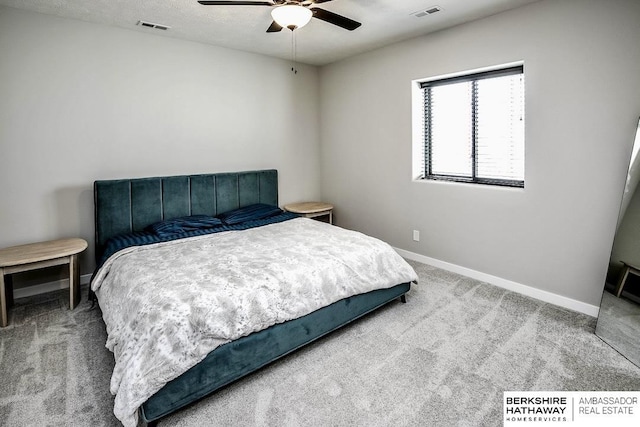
[(152, 25), (429, 11)]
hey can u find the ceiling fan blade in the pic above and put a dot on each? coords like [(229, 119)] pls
[(335, 19), (274, 27), (319, 1), (235, 3)]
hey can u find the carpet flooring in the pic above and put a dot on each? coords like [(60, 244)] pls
[(442, 359)]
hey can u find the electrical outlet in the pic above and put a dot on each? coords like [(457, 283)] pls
[(416, 235)]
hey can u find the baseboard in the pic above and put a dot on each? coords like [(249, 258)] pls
[(56, 285), (541, 295)]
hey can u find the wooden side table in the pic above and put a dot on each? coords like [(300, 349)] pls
[(35, 256), (311, 209), (626, 270)]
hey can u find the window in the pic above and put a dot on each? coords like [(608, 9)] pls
[(473, 128)]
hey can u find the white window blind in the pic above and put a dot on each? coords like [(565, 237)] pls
[(474, 128)]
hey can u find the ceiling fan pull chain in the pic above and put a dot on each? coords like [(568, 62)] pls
[(293, 52)]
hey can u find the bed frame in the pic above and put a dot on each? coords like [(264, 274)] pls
[(128, 205)]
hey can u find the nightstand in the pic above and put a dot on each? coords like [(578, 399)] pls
[(311, 209), (626, 270), (35, 256)]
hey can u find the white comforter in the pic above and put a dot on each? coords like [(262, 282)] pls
[(167, 305)]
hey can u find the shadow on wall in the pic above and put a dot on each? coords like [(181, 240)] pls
[(74, 217)]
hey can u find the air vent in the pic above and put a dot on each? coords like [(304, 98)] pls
[(152, 25), (428, 11)]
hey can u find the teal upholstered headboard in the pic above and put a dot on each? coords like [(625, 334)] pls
[(127, 205)]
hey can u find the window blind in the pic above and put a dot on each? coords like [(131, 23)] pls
[(474, 127)]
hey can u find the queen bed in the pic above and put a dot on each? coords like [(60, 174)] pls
[(202, 280)]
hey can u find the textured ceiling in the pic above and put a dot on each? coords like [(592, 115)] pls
[(244, 27)]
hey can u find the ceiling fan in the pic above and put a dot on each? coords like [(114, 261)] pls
[(292, 14)]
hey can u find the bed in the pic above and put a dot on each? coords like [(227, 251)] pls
[(231, 281)]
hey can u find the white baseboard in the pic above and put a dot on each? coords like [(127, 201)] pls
[(56, 285), (539, 294)]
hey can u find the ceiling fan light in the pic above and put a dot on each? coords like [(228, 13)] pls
[(291, 16)]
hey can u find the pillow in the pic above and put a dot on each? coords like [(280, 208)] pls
[(183, 224), (249, 213)]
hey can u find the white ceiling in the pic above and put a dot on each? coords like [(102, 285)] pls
[(244, 27)]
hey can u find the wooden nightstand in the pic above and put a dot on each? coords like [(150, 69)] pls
[(35, 256), (311, 209), (626, 270)]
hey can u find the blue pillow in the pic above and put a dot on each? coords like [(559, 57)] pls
[(249, 213), (183, 224)]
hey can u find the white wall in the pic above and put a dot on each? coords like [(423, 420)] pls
[(81, 102), (582, 67)]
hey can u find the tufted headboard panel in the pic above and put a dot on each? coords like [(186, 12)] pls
[(127, 205)]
